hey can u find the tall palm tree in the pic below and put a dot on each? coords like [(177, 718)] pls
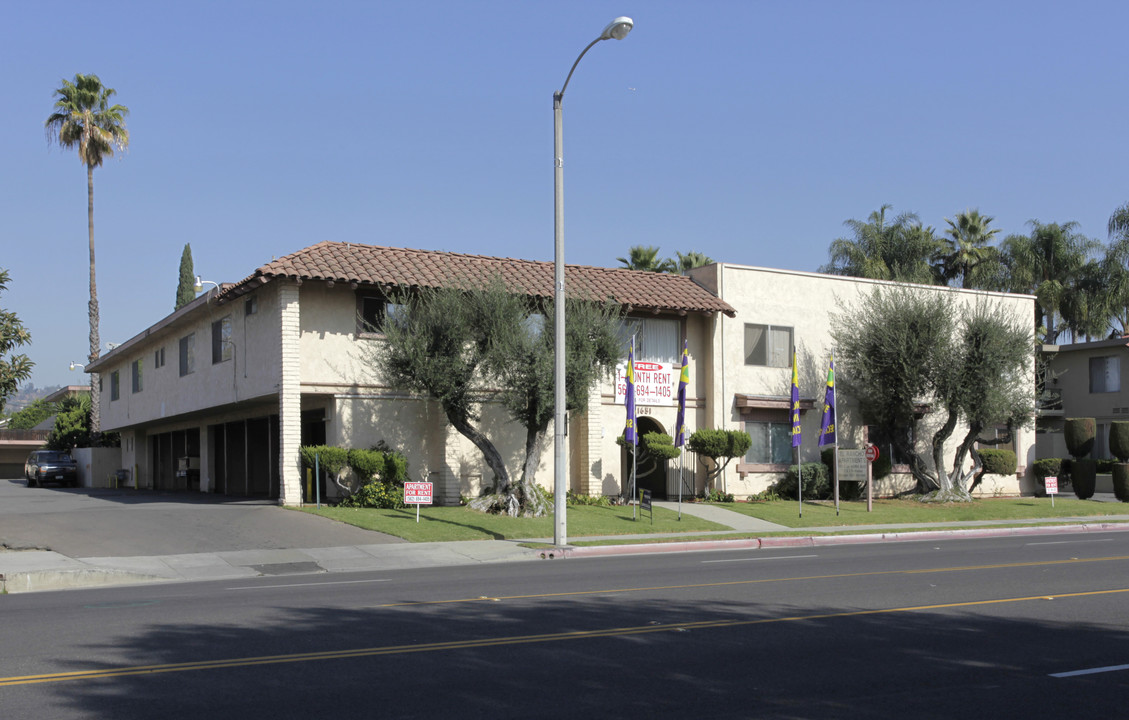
[(85, 119), (1116, 263), (884, 250), (646, 258), (691, 260), (1047, 263), (966, 249)]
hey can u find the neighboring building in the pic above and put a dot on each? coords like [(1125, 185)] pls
[(1084, 380), (16, 445), (779, 311), (238, 379)]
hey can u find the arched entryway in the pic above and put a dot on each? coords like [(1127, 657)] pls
[(650, 473)]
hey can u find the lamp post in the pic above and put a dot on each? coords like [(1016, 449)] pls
[(617, 29)]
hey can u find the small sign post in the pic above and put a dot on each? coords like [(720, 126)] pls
[(1052, 488), (871, 456), (645, 503), (417, 493)]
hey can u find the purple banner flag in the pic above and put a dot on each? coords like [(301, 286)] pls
[(683, 381), (827, 426), (795, 403), (629, 433)]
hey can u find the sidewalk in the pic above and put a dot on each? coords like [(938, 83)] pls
[(37, 570)]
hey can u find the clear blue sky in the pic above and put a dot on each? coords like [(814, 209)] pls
[(745, 130)]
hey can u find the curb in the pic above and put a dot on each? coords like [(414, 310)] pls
[(826, 540), (40, 580)]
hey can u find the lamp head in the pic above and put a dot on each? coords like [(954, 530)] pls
[(617, 29), (199, 286)]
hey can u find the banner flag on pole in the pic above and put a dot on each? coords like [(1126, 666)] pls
[(629, 433), (827, 426), (796, 433), (683, 381)]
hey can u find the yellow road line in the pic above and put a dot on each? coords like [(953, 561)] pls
[(729, 583), (498, 641)]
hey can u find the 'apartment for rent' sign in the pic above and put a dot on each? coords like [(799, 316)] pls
[(655, 384)]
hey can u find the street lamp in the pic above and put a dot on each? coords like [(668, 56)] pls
[(617, 29)]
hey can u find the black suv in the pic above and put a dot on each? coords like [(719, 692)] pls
[(50, 466)]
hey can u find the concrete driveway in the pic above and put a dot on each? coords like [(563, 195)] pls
[(87, 522)]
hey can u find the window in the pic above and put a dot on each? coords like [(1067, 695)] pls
[(221, 340), (187, 354), (135, 372), (768, 345), (1105, 374), (373, 311), (656, 339), (159, 358), (115, 386), (251, 305), (772, 443)]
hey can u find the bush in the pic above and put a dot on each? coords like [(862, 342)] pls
[(376, 494), (719, 497), (1106, 466), (1083, 474), (1047, 467), (1079, 434), (881, 467), (817, 482), (998, 462), (1121, 481), (367, 464), (330, 459), (1119, 439), (596, 500)]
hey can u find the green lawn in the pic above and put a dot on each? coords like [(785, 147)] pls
[(439, 524), (822, 513)]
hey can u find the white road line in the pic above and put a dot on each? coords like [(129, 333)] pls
[(1091, 671), (310, 584), (781, 557), (1071, 542)]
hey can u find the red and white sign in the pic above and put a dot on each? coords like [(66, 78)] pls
[(417, 493), (871, 453), (1052, 485), (655, 383)]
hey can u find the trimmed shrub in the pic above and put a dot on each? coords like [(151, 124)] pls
[(367, 464), (817, 482), (330, 459), (1079, 434), (1119, 439), (1105, 466), (1121, 481), (376, 494), (1083, 475), (998, 462)]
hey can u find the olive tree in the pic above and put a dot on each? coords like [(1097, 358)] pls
[(903, 349)]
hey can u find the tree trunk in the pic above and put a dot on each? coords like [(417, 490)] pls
[(92, 309), (493, 458)]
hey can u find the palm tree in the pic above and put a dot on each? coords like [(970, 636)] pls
[(1047, 264), (691, 260), (966, 250), (1116, 263), (85, 119), (646, 258), (883, 250)]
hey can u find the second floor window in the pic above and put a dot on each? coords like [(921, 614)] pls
[(1105, 374), (768, 345), (656, 339), (115, 386), (135, 372), (187, 354), (221, 340)]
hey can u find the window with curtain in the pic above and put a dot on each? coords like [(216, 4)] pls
[(771, 443), (768, 345), (1105, 374), (656, 339)]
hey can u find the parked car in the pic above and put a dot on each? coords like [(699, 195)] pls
[(50, 466)]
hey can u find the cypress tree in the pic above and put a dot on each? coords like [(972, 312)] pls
[(186, 288)]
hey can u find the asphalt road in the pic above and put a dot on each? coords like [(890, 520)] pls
[(960, 628), (85, 522)]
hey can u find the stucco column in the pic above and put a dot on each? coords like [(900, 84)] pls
[(289, 395), (590, 459)]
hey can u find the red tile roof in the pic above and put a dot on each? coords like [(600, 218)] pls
[(372, 265)]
